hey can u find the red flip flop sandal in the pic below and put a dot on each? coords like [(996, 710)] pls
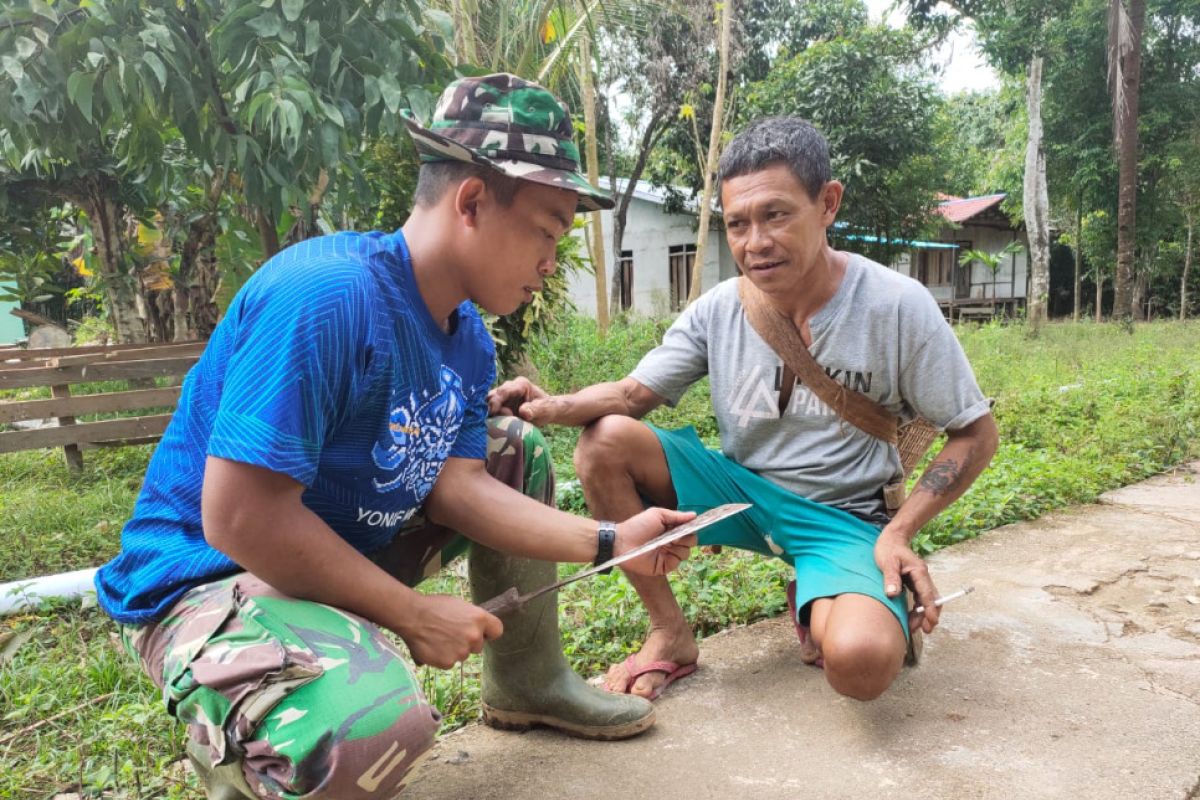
[(671, 669)]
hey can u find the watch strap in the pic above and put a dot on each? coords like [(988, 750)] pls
[(606, 538)]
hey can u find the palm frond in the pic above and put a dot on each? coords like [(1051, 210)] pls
[(530, 37), (569, 40)]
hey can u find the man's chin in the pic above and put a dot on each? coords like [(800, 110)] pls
[(501, 308), (765, 281)]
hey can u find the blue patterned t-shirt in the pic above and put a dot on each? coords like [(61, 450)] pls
[(329, 368)]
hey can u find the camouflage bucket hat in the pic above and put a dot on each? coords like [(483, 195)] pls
[(512, 125)]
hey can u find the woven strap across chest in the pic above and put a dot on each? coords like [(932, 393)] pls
[(784, 338), (911, 440)]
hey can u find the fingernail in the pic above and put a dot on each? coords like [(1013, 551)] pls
[(891, 588)]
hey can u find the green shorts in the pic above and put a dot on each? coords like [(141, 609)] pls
[(832, 551)]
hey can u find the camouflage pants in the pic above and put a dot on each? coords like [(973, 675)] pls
[(312, 701)]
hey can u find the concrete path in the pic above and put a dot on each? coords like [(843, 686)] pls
[(1073, 671)]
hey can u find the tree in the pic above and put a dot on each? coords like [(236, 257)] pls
[(270, 104), (970, 133), (778, 29), (1078, 141), (190, 219), (1168, 114), (1187, 265), (1083, 164), (654, 58), (591, 149), (1037, 203), (767, 36), (72, 135), (1097, 241), (1124, 80), (577, 33), (878, 110), (32, 247), (284, 98), (1017, 37), (1184, 188)]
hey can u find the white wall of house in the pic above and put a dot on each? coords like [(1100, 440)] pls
[(904, 265), (650, 234), (1011, 278)]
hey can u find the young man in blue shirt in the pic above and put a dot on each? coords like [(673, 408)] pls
[(332, 447)]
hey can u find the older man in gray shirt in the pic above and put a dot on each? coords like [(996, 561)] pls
[(815, 479)]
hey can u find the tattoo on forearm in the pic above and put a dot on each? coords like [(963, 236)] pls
[(941, 477)]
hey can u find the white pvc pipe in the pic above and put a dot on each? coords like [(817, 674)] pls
[(30, 593)]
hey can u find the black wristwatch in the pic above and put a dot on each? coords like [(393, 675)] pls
[(606, 538)]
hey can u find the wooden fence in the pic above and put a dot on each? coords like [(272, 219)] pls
[(58, 368)]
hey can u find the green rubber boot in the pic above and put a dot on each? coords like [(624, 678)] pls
[(225, 782), (526, 678)]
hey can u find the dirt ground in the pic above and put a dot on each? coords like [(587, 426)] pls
[(1072, 671)]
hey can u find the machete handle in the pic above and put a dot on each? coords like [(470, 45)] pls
[(502, 604)]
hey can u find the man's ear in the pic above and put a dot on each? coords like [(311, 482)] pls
[(831, 200), (467, 200)]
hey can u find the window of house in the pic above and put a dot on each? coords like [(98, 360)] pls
[(945, 267), (625, 270), (680, 257), (935, 267)]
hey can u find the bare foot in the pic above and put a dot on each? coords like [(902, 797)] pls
[(678, 645)]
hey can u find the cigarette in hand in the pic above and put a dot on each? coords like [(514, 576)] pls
[(941, 601)]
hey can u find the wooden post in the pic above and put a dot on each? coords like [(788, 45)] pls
[(596, 240), (71, 451), (725, 9), (954, 265)]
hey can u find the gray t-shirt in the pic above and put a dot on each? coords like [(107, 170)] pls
[(881, 334)]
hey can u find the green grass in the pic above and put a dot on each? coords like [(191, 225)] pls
[(54, 521), (108, 733), (1081, 408)]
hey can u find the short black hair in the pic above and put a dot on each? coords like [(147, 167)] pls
[(436, 177), (791, 141)]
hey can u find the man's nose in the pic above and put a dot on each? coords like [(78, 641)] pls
[(758, 240), (548, 266)]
